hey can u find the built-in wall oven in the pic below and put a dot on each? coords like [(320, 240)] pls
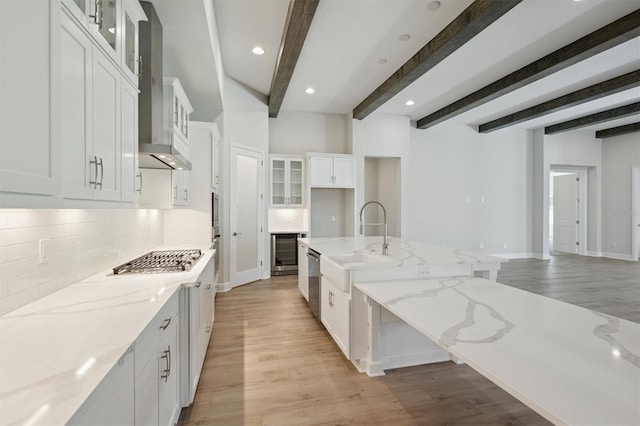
[(284, 253)]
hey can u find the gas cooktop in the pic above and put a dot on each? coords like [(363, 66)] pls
[(161, 261)]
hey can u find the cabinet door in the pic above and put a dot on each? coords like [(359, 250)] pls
[(26, 146), (180, 187), (80, 10), (146, 394), (215, 159), (78, 168), (106, 27), (295, 182), (341, 321), (168, 396), (105, 102), (278, 184), (129, 141), (320, 171), (303, 271), (326, 308), (344, 171), (112, 403)]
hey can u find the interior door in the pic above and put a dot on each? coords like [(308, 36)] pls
[(565, 213), (245, 215)]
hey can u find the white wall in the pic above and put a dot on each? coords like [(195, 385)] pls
[(385, 136), (301, 132), (619, 155), (467, 188), (244, 122), (192, 224), (81, 243)]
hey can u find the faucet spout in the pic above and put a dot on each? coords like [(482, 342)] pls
[(385, 244)]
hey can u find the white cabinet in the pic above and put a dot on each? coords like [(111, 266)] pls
[(287, 183), (201, 314), (28, 149), (157, 399), (216, 140), (112, 402), (332, 170), (176, 115), (180, 185), (132, 14), (303, 271), (335, 314)]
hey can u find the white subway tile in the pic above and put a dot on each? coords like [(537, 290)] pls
[(4, 219), (10, 237), (4, 256), (22, 251)]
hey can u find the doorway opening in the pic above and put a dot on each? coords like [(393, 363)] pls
[(382, 182), (567, 211), (635, 213)]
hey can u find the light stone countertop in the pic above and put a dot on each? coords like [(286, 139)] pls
[(570, 364), (43, 344), (403, 252)]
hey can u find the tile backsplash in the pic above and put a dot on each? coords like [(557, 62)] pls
[(80, 244)]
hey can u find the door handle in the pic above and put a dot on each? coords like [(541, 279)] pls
[(235, 234)]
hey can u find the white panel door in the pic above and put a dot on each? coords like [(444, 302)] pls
[(565, 213), (245, 215)]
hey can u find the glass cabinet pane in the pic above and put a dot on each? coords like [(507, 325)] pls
[(108, 21), (82, 4), (129, 43), (176, 111)]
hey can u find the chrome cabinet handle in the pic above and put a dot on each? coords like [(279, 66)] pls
[(198, 284), (95, 163), (98, 18), (164, 326), (175, 192), (139, 175), (167, 359), (100, 164), (186, 194), (139, 67)]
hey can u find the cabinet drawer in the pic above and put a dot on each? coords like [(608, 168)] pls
[(154, 332)]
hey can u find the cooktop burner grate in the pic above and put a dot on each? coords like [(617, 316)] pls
[(161, 261)]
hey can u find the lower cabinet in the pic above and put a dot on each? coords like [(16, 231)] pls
[(112, 403), (303, 271), (157, 395), (335, 314)]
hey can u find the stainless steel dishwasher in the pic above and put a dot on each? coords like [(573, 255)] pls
[(314, 282)]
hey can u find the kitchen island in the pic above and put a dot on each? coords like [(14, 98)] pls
[(570, 364), (60, 351)]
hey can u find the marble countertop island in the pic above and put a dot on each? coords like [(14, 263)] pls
[(44, 344), (406, 253), (570, 364)]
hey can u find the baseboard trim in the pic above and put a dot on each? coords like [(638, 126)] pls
[(540, 256), (222, 287), (514, 255), (618, 256), (416, 358)]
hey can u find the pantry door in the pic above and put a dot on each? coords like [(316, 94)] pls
[(565, 213), (246, 215)]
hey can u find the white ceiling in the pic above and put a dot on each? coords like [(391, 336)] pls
[(340, 57)]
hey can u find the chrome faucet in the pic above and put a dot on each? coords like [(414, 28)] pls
[(385, 244)]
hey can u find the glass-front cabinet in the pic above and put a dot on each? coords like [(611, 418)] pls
[(287, 181), (177, 109), (113, 24)]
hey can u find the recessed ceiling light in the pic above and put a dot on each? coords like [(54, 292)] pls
[(310, 90), (258, 50), (382, 61), (409, 102), (433, 6), (404, 37)]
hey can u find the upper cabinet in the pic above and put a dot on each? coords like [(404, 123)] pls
[(113, 25), (177, 109), (287, 185), (332, 170)]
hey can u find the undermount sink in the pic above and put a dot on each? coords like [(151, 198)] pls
[(337, 267)]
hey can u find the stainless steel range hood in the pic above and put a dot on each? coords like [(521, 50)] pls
[(155, 150)]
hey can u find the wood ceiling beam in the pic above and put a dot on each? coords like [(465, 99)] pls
[(296, 27), (599, 117), (475, 18), (613, 34), (596, 91), (617, 131)]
